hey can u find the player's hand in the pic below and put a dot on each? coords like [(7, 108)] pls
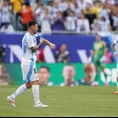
[(52, 46), (41, 41)]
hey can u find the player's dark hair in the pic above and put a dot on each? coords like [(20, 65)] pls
[(27, 3), (47, 68), (31, 23)]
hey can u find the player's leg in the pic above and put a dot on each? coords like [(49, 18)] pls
[(22, 88), (96, 69), (18, 92), (35, 89), (105, 75), (35, 92)]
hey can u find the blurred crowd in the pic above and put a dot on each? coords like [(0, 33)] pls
[(59, 15)]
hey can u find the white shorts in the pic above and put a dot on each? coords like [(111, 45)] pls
[(29, 72)]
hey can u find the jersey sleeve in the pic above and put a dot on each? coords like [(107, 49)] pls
[(38, 37), (30, 42)]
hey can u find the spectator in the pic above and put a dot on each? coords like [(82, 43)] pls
[(90, 73), (26, 14), (78, 10), (68, 74), (32, 2), (83, 24), (55, 9), (5, 13), (70, 5), (97, 7), (62, 55), (7, 28), (110, 2), (90, 14), (81, 4), (35, 5), (58, 22), (38, 14), (46, 23), (44, 75), (50, 6), (1, 2), (70, 22), (115, 20), (104, 13), (92, 9), (17, 7), (62, 6), (2, 53), (103, 25)]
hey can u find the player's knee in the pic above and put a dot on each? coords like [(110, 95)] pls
[(28, 85), (35, 82)]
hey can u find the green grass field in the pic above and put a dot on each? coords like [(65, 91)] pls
[(62, 101)]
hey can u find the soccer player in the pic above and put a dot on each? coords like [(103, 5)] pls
[(98, 54), (28, 65), (116, 54)]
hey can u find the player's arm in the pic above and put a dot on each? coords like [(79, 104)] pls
[(31, 44), (45, 41), (34, 48)]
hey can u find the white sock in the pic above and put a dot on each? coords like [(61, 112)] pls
[(19, 91), (35, 91)]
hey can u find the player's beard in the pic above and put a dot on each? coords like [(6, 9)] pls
[(34, 32)]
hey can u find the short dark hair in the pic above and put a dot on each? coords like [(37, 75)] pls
[(47, 68), (31, 23), (27, 3)]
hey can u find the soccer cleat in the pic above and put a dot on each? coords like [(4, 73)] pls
[(40, 105), (11, 101), (116, 92)]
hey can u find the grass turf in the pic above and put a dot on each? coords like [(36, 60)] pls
[(62, 101)]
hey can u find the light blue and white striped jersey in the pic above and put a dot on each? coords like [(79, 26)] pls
[(28, 56)]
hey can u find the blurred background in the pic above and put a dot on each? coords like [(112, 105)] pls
[(72, 25)]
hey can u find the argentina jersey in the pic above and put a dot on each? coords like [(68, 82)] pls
[(29, 41)]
